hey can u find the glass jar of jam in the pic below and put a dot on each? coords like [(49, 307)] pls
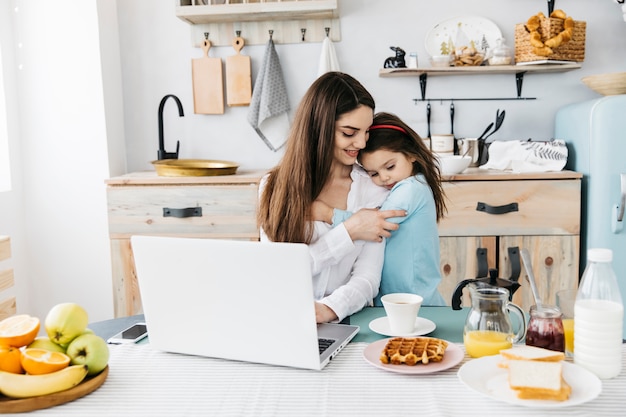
[(545, 328)]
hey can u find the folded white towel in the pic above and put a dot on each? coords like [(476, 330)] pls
[(269, 106), (328, 58), (527, 156)]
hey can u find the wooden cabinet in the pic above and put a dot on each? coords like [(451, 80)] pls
[(540, 212), (546, 221), (220, 207)]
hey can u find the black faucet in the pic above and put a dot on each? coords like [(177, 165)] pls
[(162, 154)]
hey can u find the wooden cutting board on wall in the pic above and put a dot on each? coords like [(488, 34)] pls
[(208, 88), (238, 77)]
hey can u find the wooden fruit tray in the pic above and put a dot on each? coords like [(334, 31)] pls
[(20, 405)]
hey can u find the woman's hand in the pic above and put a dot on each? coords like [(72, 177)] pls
[(323, 313), (321, 212), (372, 224)]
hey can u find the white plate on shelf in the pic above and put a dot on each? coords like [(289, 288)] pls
[(453, 356), (485, 377), (474, 27), (422, 326)]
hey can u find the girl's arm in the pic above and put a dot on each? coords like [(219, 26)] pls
[(365, 224)]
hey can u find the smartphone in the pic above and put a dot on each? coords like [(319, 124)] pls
[(131, 334)]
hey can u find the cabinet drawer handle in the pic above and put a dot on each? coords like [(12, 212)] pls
[(507, 208), (182, 212)]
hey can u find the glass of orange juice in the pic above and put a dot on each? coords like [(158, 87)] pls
[(480, 343), (565, 300)]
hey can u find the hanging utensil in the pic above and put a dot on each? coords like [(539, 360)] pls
[(531, 276), (499, 120), (455, 147), (428, 121)]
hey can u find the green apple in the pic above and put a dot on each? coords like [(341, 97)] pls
[(91, 350), (65, 321), (44, 342)]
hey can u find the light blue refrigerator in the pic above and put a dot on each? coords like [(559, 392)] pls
[(595, 133)]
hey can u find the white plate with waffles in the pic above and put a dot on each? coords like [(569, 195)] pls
[(422, 326), (484, 376), (452, 357)]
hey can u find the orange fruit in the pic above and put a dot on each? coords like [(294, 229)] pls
[(40, 361), (11, 360), (19, 330)]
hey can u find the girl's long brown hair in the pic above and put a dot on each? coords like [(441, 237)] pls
[(293, 185), (411, 145)]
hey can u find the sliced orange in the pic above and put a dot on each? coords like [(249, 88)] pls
[(19, 330), (11, 360), (40, 361)]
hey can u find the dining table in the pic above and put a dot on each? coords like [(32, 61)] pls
[(143, 381)]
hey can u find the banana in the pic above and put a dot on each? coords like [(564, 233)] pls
[(24, 386)]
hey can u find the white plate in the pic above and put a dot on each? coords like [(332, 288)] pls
[(453, 355), (422, 326), (474, 27), (484, 376)]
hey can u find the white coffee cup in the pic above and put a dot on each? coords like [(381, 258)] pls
[(442, 143), (402, 309)]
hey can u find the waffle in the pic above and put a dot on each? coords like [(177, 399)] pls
[(413, 350)]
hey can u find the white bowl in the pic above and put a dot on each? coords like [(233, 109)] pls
[(453, 164)]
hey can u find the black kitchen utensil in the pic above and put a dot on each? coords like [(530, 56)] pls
[(480, 138), (499, 120), (456, 146), (428, 123)]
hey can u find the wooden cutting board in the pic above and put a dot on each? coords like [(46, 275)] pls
[(20, 405), (208, 89), (238, 77)]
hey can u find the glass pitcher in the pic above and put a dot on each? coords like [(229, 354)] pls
[(488, 327)]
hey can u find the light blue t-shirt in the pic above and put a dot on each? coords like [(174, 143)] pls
[(412, 252)]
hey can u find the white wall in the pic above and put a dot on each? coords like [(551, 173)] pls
[(61, 245), (83, 107)]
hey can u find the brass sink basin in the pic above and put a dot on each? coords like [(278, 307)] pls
[(194, 167)]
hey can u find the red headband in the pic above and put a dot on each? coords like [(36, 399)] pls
[(398, 128)]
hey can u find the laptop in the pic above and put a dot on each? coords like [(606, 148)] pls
[(239, 300)]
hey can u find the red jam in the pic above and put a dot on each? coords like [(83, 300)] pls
[(545, 328)]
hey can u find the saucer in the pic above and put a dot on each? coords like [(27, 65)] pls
[(422, 326)]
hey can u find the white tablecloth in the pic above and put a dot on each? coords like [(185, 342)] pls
[(142, 381)]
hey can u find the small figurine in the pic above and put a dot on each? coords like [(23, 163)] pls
[(396, 61)]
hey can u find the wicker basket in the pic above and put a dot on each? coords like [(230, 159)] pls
[(574, 50)]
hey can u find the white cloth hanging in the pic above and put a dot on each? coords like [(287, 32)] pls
[(328, 58), (269, 106)]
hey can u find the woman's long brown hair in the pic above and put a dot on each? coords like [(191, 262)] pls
[(411, 145), (293, 185)]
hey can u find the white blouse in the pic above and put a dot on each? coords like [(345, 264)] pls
[(346, 274)]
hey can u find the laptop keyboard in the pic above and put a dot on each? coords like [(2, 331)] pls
[(324, 344)]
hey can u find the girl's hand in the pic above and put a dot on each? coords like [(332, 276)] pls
[(321, 212), (372, 224), (323, 313)]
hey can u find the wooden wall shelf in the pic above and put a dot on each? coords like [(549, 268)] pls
[(291, 21), (517, 70)]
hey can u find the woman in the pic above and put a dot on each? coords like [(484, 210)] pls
[(329, 129)]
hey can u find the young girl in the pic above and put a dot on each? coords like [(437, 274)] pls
[(396, 158), (330, 128)]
